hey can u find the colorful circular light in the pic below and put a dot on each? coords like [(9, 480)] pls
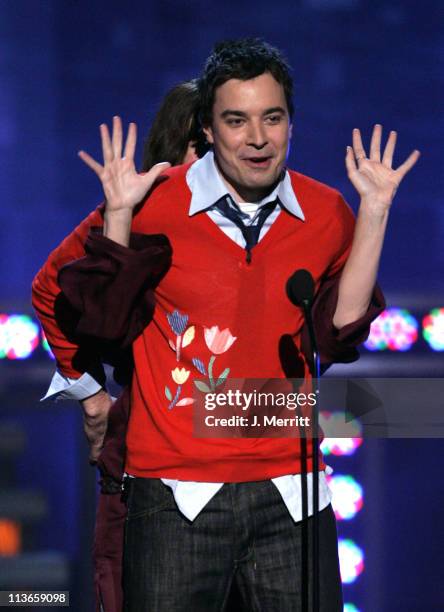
[(433, 329), (395, 329), (347, 497), (46, 346), (340, 446), (351, 560), (335, 421), (349, 607), (19, 336)]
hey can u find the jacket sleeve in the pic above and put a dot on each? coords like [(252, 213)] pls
[(339, 346), (111, 287), (73, 357)]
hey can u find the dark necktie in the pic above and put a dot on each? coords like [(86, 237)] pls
[(228, 209)]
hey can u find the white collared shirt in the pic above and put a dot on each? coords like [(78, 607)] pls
[(207, 188)]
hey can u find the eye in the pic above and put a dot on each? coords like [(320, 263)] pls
[(235, 121), (273, 119)]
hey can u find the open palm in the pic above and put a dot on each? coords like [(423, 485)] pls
[(123, 187), (374, 178)]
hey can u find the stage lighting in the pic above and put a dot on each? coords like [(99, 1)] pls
[(334, 421), (395, 329), (347, 497), (433, 329), (351, 560), (19, 336), (10, 538)]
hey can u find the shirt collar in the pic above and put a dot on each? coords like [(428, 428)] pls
[(207, 188)]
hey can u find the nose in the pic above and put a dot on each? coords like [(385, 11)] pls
[(256, 135)]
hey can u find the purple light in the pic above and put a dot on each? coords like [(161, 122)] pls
[(335, 421), (347, 497), (433, 329), (395, 329), (19, 336), (351, 560)]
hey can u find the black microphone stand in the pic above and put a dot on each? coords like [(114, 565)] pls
[(315, 367), (300, 292)]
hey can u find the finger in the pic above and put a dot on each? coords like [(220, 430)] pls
[(94, 454), (95, 440), (106, 144), (89, 161), (131, 139), (350, 162), (375, 143), (407, 165), (155, 171), (387, 158), (117, 137), (358, 147)]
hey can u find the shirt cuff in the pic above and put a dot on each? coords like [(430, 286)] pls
[(64, 388)]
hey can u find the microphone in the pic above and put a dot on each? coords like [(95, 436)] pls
[(300, 292), (300, 288)]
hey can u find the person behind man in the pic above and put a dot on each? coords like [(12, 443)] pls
[(214, 300), (174, 137)]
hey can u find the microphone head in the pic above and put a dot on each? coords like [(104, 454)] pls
[(300, 288)]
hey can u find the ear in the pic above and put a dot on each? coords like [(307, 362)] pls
[(208, 134)]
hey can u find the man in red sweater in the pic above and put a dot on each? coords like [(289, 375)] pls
[(205, 261)]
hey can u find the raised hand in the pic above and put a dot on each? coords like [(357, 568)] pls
[(374, 178), (123, 187)]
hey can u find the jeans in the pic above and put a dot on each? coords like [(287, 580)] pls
[(245, 533)]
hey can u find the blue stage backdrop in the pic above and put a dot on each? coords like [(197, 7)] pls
[(67, 66)]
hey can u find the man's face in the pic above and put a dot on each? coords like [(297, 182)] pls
[(250, 134)]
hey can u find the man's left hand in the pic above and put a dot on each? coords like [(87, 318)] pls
[(374, 178), (95, 421)]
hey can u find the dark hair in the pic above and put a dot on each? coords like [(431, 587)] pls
[(241, 59), (175, 125)]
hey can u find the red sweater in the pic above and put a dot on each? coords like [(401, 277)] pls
[(210, 284)]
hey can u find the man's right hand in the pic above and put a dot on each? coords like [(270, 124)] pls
[(95, 421), (123, 187)]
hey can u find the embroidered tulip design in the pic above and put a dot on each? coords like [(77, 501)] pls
[(199, 365), (178, 323), (180, 375), (218, 341)]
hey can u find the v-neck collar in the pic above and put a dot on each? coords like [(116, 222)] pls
[(238, 250), (207, 188)]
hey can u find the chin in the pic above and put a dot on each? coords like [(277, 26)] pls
[(262, 182)]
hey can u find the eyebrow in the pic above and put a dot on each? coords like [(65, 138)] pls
[(238, 113)]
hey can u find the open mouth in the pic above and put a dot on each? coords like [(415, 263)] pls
[(258, 162)]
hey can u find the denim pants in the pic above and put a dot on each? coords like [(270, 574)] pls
[(245, 533)]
